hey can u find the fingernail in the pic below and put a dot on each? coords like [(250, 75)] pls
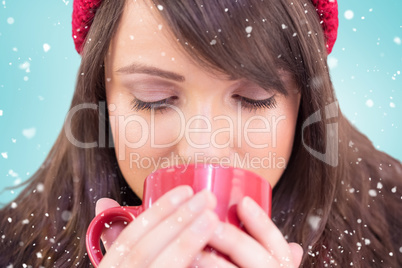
[(198, 202), (180, 194), (251, 206), (104, 241), (202, 223), (219, 230)]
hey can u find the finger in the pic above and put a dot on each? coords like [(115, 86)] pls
[(160, 209), (207, 260), (110, 234), (297, 253), (167, 230), (241, 248), (262, 229), (189, 243), (105, 203)]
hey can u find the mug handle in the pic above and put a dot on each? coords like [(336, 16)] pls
[(97, 225)]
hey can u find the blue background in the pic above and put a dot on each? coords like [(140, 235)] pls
[(36, 86)]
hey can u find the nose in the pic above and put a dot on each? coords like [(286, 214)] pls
[(208, 138)]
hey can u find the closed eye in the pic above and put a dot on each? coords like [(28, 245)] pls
[(139, 105), (253, 105), (246, 103)]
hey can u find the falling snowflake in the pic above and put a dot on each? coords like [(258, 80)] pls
[(46, 47), (314, 222), (29, 133), (121, 248), (144, 222), (12, 173), (40, 187), (66, 215), (379, 185), (332, 62), (349, 14), (25, 66), (369, 103)]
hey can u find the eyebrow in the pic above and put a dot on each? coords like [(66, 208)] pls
[(139, 68)]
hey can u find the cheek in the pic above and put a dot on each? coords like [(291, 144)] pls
[(129, 139), (268, 151), (166, 129), (141, 139), (127, 129), (270, 146)]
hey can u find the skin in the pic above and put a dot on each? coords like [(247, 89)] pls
[(142, 40)]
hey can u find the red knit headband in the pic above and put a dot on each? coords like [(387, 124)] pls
[(84, 12)]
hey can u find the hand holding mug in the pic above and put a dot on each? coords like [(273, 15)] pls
[(230, 186), (174, 229)]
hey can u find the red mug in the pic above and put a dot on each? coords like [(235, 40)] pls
[(229, 185)]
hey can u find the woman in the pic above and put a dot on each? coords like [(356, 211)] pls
[(260, 65)]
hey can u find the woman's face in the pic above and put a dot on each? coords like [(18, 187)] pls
[(198, 116)]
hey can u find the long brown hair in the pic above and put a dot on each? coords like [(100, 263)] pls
[(348, 213)]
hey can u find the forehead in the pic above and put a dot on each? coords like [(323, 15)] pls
[(141, 35), (140, 17), (144, 37)]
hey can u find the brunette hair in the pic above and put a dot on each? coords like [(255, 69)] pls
[(345, 214)]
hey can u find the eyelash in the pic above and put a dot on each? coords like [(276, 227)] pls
[(254, 105), (246, 103), (139, 105)]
